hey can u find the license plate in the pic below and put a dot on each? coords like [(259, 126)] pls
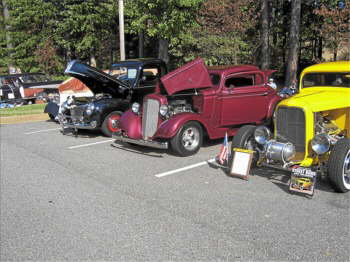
[(11, 96), (302, 180)]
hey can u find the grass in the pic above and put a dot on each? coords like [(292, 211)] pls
[(23, 110)]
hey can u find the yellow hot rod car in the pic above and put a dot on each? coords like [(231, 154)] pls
[(312, 128)]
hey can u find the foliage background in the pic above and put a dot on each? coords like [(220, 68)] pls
[(43, 35)]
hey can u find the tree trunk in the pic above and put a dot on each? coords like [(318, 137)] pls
[(141, 43), (93, 62), (163, 50), (292, 63), (265, 54)]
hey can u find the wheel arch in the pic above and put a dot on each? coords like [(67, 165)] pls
[(170, 127)]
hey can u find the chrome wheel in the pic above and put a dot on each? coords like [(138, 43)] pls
[(346, 171), (190, 138)]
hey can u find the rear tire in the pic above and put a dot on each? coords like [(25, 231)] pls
[(244, 138), (110, 123), (339, 166), (188, 139)]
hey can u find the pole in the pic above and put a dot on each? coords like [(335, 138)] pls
[(121, 30)]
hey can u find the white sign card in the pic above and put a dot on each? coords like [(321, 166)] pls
[(241, 162)]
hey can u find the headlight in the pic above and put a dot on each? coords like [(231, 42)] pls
[(163, 110), (90, 109), (262, 134), (70, 101), (321, 144), (135, 108)]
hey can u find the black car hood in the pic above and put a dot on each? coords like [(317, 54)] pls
[(96, 80)]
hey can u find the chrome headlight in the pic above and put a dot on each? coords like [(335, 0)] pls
[(262, 134), (90, 109), (321, 144), (163, 110), (70, 101), (135, 108)]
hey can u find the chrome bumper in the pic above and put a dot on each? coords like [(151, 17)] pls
[(118, 136), (78, 125)]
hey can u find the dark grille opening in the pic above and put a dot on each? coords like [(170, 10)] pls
[(290, 127)]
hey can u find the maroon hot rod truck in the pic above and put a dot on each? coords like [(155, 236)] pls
[(195, 101)]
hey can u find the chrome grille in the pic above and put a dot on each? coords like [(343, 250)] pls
[(290, 127), (77, 112), (150, 118)]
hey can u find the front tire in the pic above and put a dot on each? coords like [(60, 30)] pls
[(110, 123), (188, 139), (339, 166), (244, 138)]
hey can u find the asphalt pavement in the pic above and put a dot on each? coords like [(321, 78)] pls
[(85, 198)]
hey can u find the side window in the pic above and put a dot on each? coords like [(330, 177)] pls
[(149, 76), (240, 81)]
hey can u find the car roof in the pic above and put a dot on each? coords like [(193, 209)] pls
[(231, 69), (139, 62), (337, 66)]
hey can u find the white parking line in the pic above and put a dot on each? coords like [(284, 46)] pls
[(185, 168), (91, 144), (40, 131)]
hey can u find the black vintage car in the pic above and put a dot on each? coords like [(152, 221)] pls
[(26, 87), (127, 82)]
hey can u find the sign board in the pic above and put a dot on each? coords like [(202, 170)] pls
[(302, 180), (241, 162)]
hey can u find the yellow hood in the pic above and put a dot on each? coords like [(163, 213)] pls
[(319, 99)]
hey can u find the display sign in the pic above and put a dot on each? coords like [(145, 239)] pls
[(0, 92), (241, 162), (11, 96), (302, 180)]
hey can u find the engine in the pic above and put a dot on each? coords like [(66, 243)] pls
[(179, 106)]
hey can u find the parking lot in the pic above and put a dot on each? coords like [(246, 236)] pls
[(86, 198)]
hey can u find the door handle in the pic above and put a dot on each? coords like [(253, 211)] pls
[(265, 94)]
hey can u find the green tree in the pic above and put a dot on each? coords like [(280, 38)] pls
[(161, 20), (84, 26), (30, 24)]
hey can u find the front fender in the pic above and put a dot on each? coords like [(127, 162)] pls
[(51, 108), (131, 124), (170, 127)]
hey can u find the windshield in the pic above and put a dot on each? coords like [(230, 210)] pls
[(33, 78), (326, 79), (124, 73)]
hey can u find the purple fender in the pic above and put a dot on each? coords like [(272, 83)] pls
[(131, 124), (169, 128)]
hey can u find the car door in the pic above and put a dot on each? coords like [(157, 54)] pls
[(243, 98)]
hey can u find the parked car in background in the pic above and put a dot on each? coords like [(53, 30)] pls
[(312, 128), (27, 87), (194, 101), (113, 92)]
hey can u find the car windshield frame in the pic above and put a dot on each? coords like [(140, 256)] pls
[(326, 79)]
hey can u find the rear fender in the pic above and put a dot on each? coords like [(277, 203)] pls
[(169, 128), (272, 106)]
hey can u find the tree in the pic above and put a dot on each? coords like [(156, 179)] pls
[(161, 20), (335, 27), (293, 54), (265, 50)]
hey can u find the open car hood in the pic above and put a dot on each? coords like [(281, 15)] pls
[(96, 80), (192, 75)]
